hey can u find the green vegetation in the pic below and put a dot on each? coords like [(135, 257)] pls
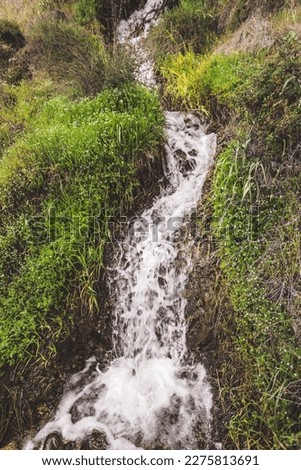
[(193, 80), (61, 183), (68, 53), (75, 58), (191, 24), (75, 133), (256, 224), (85, 11)]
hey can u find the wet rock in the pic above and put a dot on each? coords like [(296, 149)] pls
[(200, 309), (54, 442), (96, 441)]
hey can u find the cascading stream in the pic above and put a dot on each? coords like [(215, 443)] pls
[(152, 394)]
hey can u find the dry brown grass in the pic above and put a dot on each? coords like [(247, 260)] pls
[(261, 31)]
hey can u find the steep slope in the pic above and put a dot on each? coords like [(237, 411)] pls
[(248, 84)]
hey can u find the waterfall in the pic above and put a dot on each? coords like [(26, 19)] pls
[(152, 395)]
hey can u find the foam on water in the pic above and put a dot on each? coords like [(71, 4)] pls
[(140, 21), (134, 30), (151, 275)]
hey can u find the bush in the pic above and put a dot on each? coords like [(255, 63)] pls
[(69, 55)]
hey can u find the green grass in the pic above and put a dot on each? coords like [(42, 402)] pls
[(67, 168), (191, 26), (256, 225), (193, 79), (61, 184), (258, 247)]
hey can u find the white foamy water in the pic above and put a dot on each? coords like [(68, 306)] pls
[(140, 21), (152, 395), (134, 30)]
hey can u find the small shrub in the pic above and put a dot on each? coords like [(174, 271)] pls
[(120, 66), (68, 54)]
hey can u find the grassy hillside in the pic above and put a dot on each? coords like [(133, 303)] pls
[(61, 184), (73, 139), (252, 98)]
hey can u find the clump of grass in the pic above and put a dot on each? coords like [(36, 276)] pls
[(189, 26), (85, 11), (232, 14), (195, 80), (68, 54), (75, 59), (61, 183), (20, 11), (19, 105)]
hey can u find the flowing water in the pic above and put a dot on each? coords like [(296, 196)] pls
[(152, 394)]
